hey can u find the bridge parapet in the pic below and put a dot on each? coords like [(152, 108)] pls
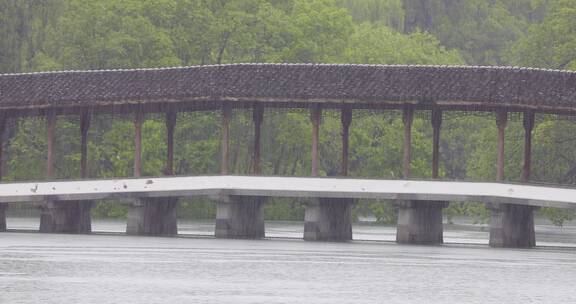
[(240, 200)]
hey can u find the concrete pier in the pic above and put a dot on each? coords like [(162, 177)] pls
[(65, 217), (420, 222), (512, 226), (329, 219), (153, 216), (3, 208), (240, 217)]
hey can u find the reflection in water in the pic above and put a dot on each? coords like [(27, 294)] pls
[(464, 232), (40, 268)]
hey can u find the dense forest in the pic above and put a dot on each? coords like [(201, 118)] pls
[(43, 35)]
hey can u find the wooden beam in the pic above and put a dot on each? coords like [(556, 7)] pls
[(257, 117), (528, 127), (226, 116), (346, 119), (171, 117), (407, 119), (501, 122), (211, 104), (316, 119), (84, 127), (50, 130), (138, 121), (436, 125)]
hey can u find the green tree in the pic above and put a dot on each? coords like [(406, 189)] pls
[(551, 43), (383, 12), (376, 44), (480, 29), (22, 31), (108, 34)]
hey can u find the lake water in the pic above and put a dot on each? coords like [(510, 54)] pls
[(111, 268)]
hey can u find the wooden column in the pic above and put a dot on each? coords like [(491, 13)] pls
[(528, 127), (315, 118), (138, 121), (226, 116), (407, 118), (436, 125), (84, 126), (50, 130), (170, 127), (257, 117), (2, 131), (501, 122), (3, 206), (346, 118)]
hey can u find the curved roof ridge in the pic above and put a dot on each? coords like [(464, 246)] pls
[(483, 67)]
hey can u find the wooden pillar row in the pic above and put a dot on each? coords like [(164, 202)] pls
[(346, 119), (436, 125), (316, 119), (407, 119), (257, 117)]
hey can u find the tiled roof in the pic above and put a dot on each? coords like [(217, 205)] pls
[(300, 82)]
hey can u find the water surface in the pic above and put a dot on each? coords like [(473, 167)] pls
[(40, 268)]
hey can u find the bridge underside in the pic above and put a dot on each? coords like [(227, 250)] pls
[(153, 202)]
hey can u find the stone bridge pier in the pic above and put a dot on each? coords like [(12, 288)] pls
[(329, 219), (3, 208), (512, 226), (420, 222), (240, 217), (65, 217), (153, 216)]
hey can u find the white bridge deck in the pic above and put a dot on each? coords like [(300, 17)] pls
[(288, 187)]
